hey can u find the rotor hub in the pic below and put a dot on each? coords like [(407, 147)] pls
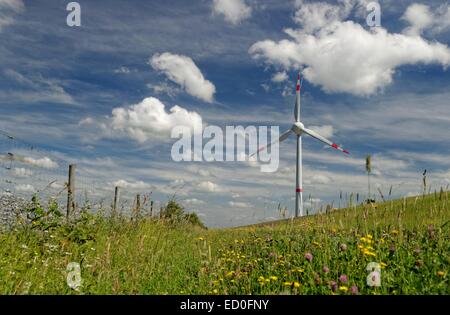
[(297, 128)]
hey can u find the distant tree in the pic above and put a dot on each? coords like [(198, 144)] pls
[(174, 213), (368, 170)]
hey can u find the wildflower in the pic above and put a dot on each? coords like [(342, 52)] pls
[(273, 278), (215, 291), (343, 279), (261, 279), (369, 236), (315, 243), (308, 257), (325, 269), (394, 232), (383, 265), (229, 274), (333, 286), (343, 288), (287, 284), (200, 239), (343, 247), (440, 273), (354, 290), (392, 249), (296, 284)]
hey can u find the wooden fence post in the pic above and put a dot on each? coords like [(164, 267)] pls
[(138, 206), (71, 191), (116, 201)]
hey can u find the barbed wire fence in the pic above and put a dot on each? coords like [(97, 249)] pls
[(27, 170)]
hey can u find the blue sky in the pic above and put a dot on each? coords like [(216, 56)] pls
[(382, 92)]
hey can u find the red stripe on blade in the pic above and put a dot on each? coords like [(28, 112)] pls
[(299, 190), (334, 145), (298, 87)]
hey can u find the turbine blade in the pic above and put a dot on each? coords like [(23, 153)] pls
[(283, 137), (324, 140)]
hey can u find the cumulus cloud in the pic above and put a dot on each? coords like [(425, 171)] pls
[(25, 188), (208, 186), (132, 185), (420, 18), (194, 202), (44, 162), (325, 130), (234, 11), (342, 56), (149, 119), (183, 71), (22, 172), (280, 77), (237, 204)]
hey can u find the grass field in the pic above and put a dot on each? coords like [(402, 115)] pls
[(323, 254)]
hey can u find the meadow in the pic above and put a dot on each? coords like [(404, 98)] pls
[(320, 254)]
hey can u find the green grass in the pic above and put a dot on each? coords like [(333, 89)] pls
[(409, 238)]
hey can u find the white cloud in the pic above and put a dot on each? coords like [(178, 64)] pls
[(320, 179), (326, 131), (25, 188), (44, 162), (420, 18), (22, 172), (208, 186), (7, 9), (149, 119), (194, 202), (345, 57), (136, 185), (164, 88), (234, 11), (123, 70), (236, 204), (38, 89), (183, 71), (280, 77)]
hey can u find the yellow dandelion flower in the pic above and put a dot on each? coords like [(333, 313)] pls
[(273, 278), (267, 280), (215, 291), (360, 246), (440, 273), (382, 240), (316, 244), (200, 239), (369, 236), (383, 265), (395, 232), (229, 274), (287, 284), (261, 279), (296, 284), (363, 239), (343, 288), (233, 281)]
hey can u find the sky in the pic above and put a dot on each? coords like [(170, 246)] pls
[(106, 95)]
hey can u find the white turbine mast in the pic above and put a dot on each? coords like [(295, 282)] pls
[(298, 129)]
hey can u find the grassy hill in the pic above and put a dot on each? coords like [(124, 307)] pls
[(322, 254)]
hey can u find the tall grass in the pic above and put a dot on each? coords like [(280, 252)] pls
[(409, 238)]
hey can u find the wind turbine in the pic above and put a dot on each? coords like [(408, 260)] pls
[(298, 129)]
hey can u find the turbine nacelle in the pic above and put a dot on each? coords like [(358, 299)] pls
[(298, 128)]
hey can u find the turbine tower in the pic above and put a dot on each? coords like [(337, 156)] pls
[(298, 129)]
